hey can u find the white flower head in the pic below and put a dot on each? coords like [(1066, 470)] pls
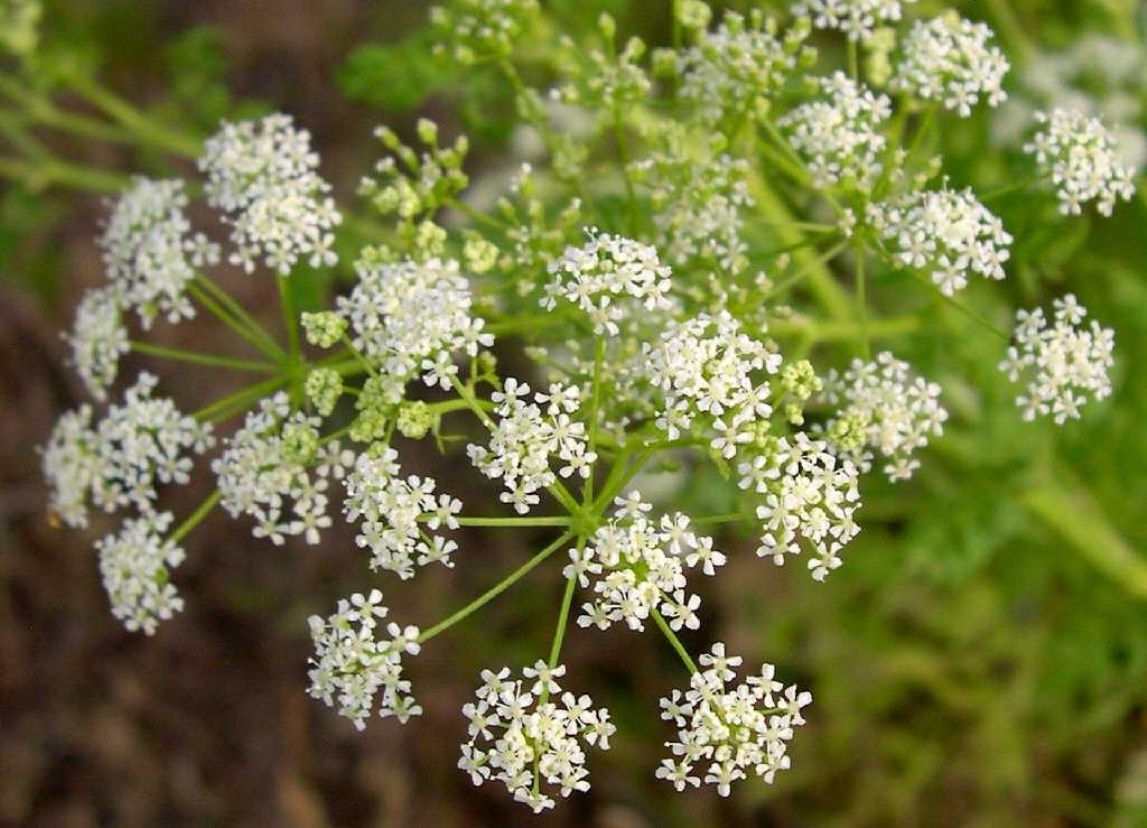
[(725, 732), (150, 253), (532, 737), (947, 233), (951, 61), (136, 567), (358, 669), (840, 136), (1061, 363), (263, 175), (98, 340), (1077, 154), (858, 19)]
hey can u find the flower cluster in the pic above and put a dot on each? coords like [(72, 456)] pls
[(276, 469), (733, 70), (884, 407), (98, 340), (522, 739), (263, 176), (393, 512), (136, 567), (1061, 363), (808, 494), (525, 439), (858, 19), (1078, 154), (707, 369), (141, 443), (948, 233), (697, 208), (951, 61), (482, 29), (353, 663), (840, 137), (604, 276), (412, 316), (149, 252), (638, 567), (729, 731)]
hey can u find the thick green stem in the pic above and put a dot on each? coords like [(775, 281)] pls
[(514, 522), (39, 175), (496, 590)]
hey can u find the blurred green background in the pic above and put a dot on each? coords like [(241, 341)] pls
[(980, 660)]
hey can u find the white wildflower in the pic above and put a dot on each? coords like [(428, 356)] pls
[(356, 667), (609, 278), (136, 567), (728, 731), (1078, 155), (519, 737), (638, 567), (72, 465), (951, 61), (150, 253), (98, 340), (856, 18), (1061, 363), (840, 137), (947, 233), (276, 469), (395, 514), (809, 495), (526, 439), (263, 176), (410, 317), (885, 407)]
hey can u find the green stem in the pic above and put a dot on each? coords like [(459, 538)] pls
[(240, 313), (224, 316), (809, 269), (514, 522), (595, 401), (214, 360), (862, 301), (563, 618), (51, 171), (496, 590), (853, 60), (968, 312), (240, 397), (672, 638), (196, 517)]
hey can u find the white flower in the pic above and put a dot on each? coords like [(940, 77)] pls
[(1061, 363), (262, 174), (353, 665), (810, 495), (886, 408), (856, 18), (98, 340), (149, 252), (609, 278), (522, 739), (728, 731), (276, 469), (402, 314), (735, 69), (526, 439), (638, 567), (840, 137), (1079, 156), (948, 233), (140, 444), (136, 568), (395, 513), (950, 60)]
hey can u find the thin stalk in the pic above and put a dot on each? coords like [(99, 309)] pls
[(810, 268), (514, 522), (853, 60), (240, 313), (494, 591), (595, 401), (257, 390), (971, 314), (862, 301), (563, 619), (672, 638), (220, 313), (196, 517), (214, 360), (52, 171)]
